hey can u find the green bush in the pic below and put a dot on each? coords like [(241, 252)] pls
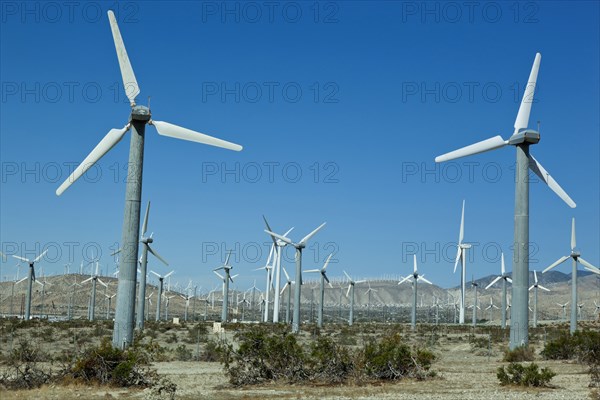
[(182, 353), (330, 362), (24, 370), (583, 346), (519, 354), (520, 375)]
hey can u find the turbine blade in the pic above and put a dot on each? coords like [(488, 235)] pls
[(286, 274), (543, 288), (169, 274), (525, 109), (588, 266), (145, 225), (219, 275), (102, 283), (113, 137), (308, 271), (40, 256), (531, 287), (503, 268), (557, 262), (461, 234), (573, 238), (178, 132), (327, 262), (20, 280), (347, 276), (458, 257), (480, 147), (22, 259), (280, 237), (535, 276), (155, 254), (537, 168), (422, 278), (493, 282), (269, 229), (415, 263), (129, 82), (152, 272), (326, 279), (508, 279), (348, 291), (87, 280), (313, 233)]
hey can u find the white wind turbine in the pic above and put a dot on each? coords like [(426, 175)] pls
[(94, 279), (535, 286), (564, 309), (461, 255), (491, 308), (505, 278), (140, 116), (475, 305), (368, 293), (30, 279), (278, 247), (288, 286), (297, 292), (161, 281), (576, 256), (416, 278), (108, 304), (521, 138), (227, 269), (324, 278), (269, 279)]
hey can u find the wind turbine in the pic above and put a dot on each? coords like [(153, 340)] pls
[(324, 278), (161, 280), (269, 276), (143, 261), (416, 277), (535, 286), (30, 279), (350, 291), (94, 278), (475, 305), (278, 246), (521, 138), (461, 255), (297, 292), (167, 300), (368, 293), (140, 116), (227, 269), (564, 309), (491, 308), (576, 256), (288, 286), (108, 303), (505, 278)]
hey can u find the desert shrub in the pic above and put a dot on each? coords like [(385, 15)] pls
[(391, 359), (23, 369), (182, 353), (196, 332), (583, 346), (172, 338), (519, 354), (213, 352), (478, 342), (330, 362), (524, 375)]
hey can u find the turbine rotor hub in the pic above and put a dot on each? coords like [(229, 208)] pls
[(140, 113), (528, 136)]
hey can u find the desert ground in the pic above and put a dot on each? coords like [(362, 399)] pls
[(464, 370)]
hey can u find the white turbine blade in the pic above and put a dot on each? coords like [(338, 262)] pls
[(21, 280), (422, 278), (404, 279), (595, 271), (234, 276), (284, 286), (503, 269), (461, 234), (113, 137), (287, 277), (557, 262), (88, 279), (326, 278), (537, 168), (588, 266), (363, 281), (219, 275), (288, 232), (145, 225), (152, 272), (155, 254), (22, 259), (313, 233), (348, 291), (480, 147), (458, 257), (227, 258), (102, 283), (280, 237), (494, 281), (415, 263), (169, 274), (531, 287), (327, 262), (573, 238), (40, 256), (543, 288), (508, 279), (347, 276), (129, 82), (308, 271), (525, 109), (178, 132), (535, 276)]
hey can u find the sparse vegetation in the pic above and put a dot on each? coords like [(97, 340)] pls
[(524, 375), (583, 346), (519, 354)]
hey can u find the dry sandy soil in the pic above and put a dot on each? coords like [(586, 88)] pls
[(462, 375)]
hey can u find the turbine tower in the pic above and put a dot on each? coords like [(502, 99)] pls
[(278, 246), (416, 277), (521, 138), (30, 279), (535, 286), (299, 246), (461, 255), (576, 256), (140, 116), (288, 286), (94, 279), (161, 280), (505, 278), (324, 278), (227, 268)]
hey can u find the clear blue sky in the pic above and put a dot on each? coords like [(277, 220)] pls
[(385, 87)]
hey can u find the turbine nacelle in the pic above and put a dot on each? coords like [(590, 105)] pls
[(575, 253), (140, 113), (524, 136)]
